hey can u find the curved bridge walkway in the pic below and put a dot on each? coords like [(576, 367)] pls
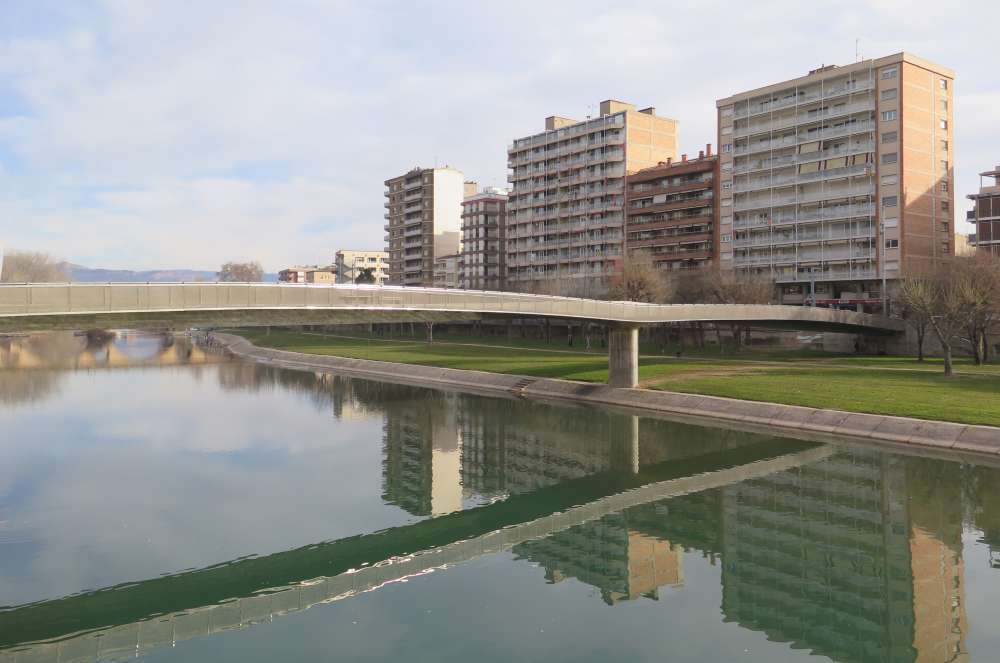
[(32, 307)]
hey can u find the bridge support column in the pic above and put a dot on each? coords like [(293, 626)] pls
[(623, 356)]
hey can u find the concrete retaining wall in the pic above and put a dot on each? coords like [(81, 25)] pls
[(795, 421)]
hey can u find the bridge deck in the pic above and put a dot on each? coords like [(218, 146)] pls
[(27, 307)]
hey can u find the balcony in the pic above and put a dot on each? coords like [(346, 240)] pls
[(803, 118), (792, 159), (797, 99), (846, 129), (829, 194)]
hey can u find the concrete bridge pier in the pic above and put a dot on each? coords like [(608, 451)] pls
[(623, 356)]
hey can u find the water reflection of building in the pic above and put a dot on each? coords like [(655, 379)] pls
[(422, 462), (857, 558), (622, 563)]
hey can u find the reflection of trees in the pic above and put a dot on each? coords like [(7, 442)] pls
[(18, 387)]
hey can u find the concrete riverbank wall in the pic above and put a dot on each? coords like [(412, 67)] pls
[(791, 420)]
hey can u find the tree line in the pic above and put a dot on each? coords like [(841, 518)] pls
[(959, 301)]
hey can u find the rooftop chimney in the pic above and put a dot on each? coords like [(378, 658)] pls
[(684, 158), (708, 149), (701, 154)]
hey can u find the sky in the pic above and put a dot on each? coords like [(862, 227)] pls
[(156, 134)]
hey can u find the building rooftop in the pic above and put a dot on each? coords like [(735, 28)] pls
[(829, 71)]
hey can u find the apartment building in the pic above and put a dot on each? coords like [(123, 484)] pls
[(313, 274), (349, 264), (424, 214), (985, 216), (483, 258), (838, 179), (670, 212), (566, 208), (446, 271)]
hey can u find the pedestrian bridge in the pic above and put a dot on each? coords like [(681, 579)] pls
[(37, 307)]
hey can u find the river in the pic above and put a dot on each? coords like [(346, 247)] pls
[(160, 500)]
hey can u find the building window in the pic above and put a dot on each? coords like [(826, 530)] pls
[(943, 83), (889, 201), (945, 206), (888, 95), (889, 137), (892, 243), (889, 72), (944, 166), (727, 185), (889, 158), (888, 116), (728, 147), (943, 124), (944, 105), (944, 146), (889, 180), (944, 187)]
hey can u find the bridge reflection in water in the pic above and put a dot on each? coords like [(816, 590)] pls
[(849, 553), (66, 350)]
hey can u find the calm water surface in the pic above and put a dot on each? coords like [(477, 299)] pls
[(163, 502)]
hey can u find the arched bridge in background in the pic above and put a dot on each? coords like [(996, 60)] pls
[(61, 306)]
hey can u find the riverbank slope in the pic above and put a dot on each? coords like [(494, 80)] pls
[(793, 420)]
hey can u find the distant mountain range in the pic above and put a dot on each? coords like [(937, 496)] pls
[(81, 274)]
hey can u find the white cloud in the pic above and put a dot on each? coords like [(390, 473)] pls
[(181, 133)]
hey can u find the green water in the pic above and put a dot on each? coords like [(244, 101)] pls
[(161, 502)]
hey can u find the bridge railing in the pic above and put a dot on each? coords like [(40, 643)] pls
[(124, 298)]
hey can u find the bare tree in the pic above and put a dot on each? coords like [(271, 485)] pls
[(917, 297), (946, 296), (639, 280), (982, 275), (31, 267), (731, 287), (241, 272)]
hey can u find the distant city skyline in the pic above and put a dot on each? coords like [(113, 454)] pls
[(175, 134)]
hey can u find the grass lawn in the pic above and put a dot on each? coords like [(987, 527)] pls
[(881, 385)]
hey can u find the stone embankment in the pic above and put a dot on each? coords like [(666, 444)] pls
[(794, 421)]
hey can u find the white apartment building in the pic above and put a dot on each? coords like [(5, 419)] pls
[(565, 211), (349, 263), (835, 180)]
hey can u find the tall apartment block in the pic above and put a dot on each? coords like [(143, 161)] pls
[(424, 214), (838, 179), (484, 233), (671, 211), (350, 263), (566, 209), (986, 213)]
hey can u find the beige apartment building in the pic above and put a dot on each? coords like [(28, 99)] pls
[(424, 214), (483, 260), (566, 208), (349, 264), (447, 271), (314, 275), (834, 181)]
